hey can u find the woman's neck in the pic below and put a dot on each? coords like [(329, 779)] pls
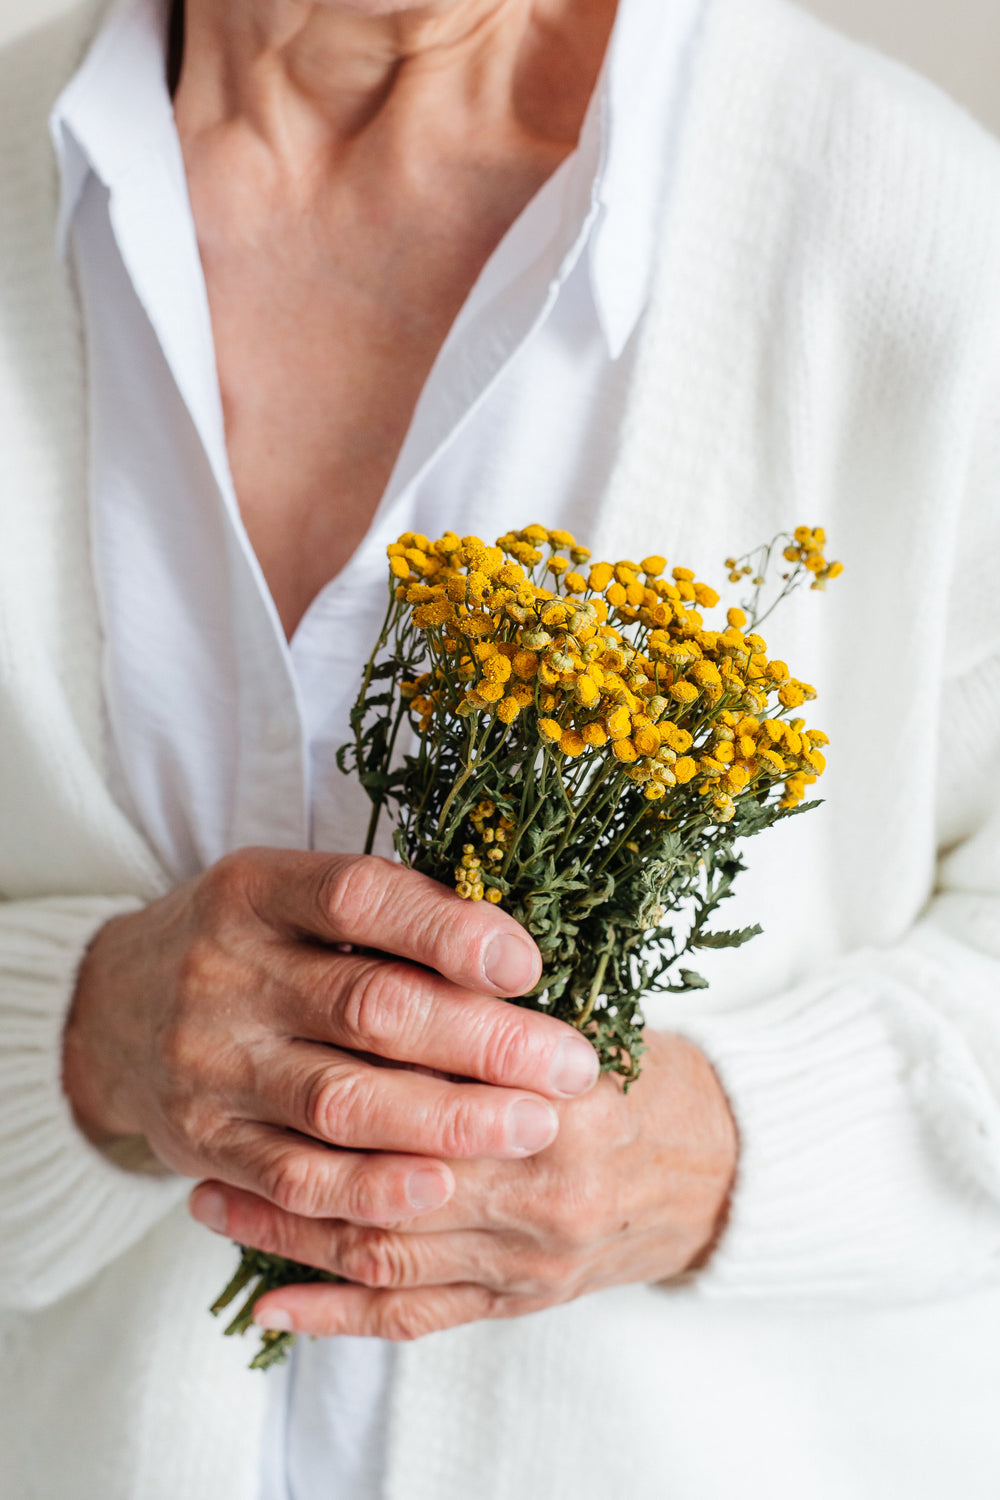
[(302, 74)]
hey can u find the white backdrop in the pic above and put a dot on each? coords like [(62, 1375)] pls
[(955, 42)]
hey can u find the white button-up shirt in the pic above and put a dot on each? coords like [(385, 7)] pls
[(221, 733)]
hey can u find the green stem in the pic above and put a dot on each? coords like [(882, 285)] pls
[(242, 1276), (595, 990)]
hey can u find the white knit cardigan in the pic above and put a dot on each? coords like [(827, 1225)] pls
[(823, 345)]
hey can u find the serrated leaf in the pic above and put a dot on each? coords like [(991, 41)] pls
[(731, 938)]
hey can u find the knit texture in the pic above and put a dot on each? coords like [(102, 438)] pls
[(823, 346)]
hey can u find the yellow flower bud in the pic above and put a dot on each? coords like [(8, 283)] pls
[(618, 723), (705, 673), (684, 769), (600, 576), (588, 692), (647, 740), (572, 743), (624, 750), (550, 730)]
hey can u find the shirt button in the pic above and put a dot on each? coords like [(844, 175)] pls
[(276, 733)]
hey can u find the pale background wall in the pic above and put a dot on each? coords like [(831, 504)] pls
[(955, 42)]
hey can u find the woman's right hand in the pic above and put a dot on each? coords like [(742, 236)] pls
[(246, 1024)]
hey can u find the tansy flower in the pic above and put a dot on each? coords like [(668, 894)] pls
[(594, 734), (572, 743), (618, 723)]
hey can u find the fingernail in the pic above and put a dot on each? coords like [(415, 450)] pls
[(531, 1125), (575, 1067), (275, 1318), (510, 965), (426, 1190), (209, 1208)]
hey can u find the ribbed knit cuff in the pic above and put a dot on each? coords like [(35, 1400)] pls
[(66, 1210), (841, 1187)]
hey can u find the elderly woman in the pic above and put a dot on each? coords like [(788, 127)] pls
[(282, 278)]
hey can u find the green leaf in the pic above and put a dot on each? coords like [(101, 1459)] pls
[(734, 938)]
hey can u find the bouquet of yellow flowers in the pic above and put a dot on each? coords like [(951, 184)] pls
[(573, 741)]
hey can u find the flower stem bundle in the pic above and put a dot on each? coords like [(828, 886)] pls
[(574, 741)]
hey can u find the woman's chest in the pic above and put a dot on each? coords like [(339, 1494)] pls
[(326, 327)]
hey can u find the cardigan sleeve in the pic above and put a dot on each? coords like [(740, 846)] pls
[(66, 1210), (868, 1096)]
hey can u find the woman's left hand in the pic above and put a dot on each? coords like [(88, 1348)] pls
[(634, 1189)]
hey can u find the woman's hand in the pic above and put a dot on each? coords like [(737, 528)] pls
[(634, 1189), (240, 1025)]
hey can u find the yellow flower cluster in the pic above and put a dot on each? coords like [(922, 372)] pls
[(611, 659), (806, 548), (494, 841)]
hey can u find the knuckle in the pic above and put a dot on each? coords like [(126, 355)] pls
[(183, 1063), (370, 1006), (451, 932), (226, 884), (465, 1128), (374, 1258), (201, 971), (333, 1100), (190, 1117), (353, 890), (564, 1220), (404, 1319), (509, 1049), (291, 1182), (362, 1199), (545, 1276)]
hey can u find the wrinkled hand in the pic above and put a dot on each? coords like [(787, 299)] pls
[(634, 1189), (227, 1026)]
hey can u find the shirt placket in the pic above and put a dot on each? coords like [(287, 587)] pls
[(270, 804)]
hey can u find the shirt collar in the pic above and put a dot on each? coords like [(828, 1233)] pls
[(114, 107), (641, 95), (118, 104)]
